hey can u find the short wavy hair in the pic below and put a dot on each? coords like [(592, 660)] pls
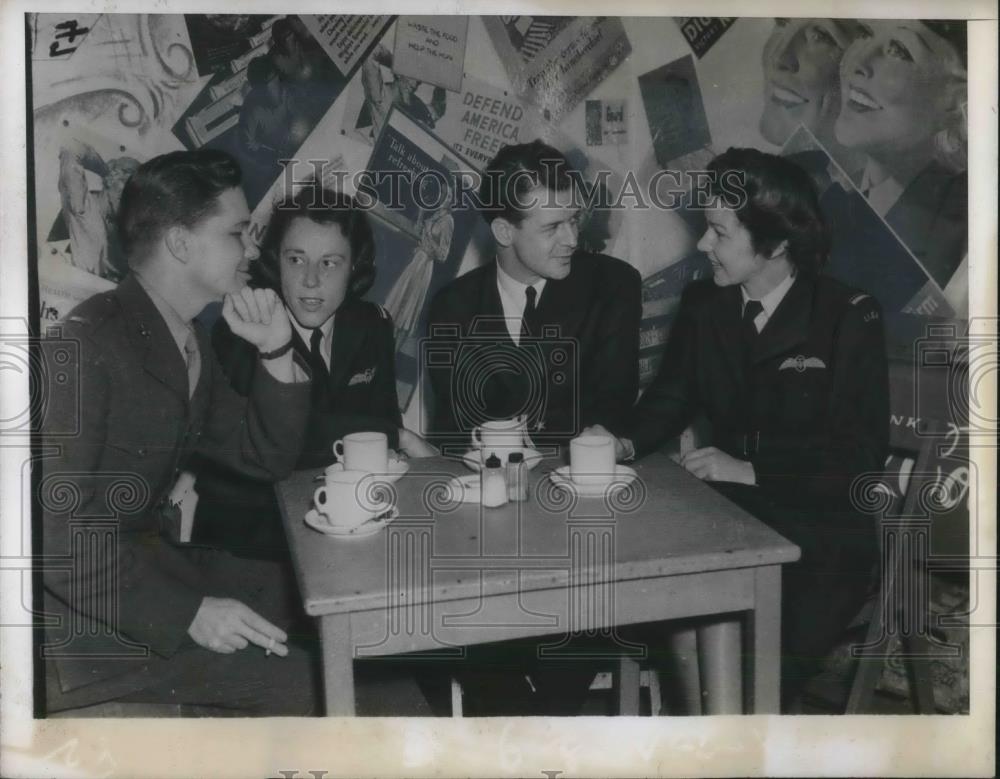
[(324, 207), (776, 201), (515, 171), (178, 188)]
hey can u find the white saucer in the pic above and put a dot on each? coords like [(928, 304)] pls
[(622, 478), (367, 528), (465, 489), (396, 469), (474, 458)]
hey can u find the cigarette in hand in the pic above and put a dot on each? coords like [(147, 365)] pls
[(270, 648)]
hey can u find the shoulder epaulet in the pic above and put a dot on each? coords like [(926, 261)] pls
[(92, 311), (382, 312)]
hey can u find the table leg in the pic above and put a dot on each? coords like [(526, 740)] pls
[(719, 661), (765, 641), (628, 687), (684, 653), (338, 665)]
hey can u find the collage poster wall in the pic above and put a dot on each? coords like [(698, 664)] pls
[(875, 110)]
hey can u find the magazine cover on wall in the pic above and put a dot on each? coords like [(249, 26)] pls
[(865, 252), (381, 88), (271, 81), (554, 62), (420, 236), (886, 100), (102, 102)]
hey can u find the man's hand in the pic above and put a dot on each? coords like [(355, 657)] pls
[(620, 451), (413, 445), (258, 316), (711, 464), (224, 625)]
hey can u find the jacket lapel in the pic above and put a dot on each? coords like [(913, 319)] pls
[(789, 326), (727, 321), (490, 317), (348, 337), (150, 335), (563, 303)]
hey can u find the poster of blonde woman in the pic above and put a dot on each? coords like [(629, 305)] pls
[(408, 295)]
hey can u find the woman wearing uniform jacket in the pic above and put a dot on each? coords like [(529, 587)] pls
[(789, 368), (319, 254)]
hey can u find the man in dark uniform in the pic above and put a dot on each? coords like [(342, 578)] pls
[(139, 618), (789, 367), (319, 255), (545, 330)]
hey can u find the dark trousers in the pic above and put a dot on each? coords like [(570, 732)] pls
[(825, 589), (247, 680), (512, 678)]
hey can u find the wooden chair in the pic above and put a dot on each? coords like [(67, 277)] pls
[(904, 543)]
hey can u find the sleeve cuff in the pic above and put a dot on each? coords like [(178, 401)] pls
[(629, 453)]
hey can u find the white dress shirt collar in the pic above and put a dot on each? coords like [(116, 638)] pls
[(513, 300), (305, 333), (770, 301)]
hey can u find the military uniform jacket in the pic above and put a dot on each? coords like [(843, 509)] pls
[(360, 389), (586, 341), (122, 594), (809, 407)]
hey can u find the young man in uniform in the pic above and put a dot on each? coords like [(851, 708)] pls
[(139, 617), (560, 326), (547, 332)]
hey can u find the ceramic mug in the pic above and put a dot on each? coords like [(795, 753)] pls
[(499, 437), (592, 459), (348, 499), (367, 452)]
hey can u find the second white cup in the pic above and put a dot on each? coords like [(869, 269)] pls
[(592, 459), (346, 500), (367, 452)]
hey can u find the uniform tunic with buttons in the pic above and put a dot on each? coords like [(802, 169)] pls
[(809, 408), (125, 610)]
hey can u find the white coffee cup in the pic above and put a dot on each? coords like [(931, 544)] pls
[(367, 452), (499, 437), (592, 459), (350, 498)]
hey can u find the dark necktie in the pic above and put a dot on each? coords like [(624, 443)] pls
[(751, 310), (527, 318), (320, 375), (749, 333)]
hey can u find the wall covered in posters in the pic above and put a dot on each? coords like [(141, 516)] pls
[(874, 110)]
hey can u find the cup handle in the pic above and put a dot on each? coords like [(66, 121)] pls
[(319, 499), (338, 449), (477, 442)]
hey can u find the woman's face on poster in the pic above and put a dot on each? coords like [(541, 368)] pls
[(895, 87), (801, 62)]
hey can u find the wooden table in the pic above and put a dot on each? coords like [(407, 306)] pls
[(446, 575)]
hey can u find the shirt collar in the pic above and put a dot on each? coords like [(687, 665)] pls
[(178, 328), (515, 288), (771, 300), (305, 333), (882, 195)]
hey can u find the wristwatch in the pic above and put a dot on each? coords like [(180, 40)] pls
[(272, 355)]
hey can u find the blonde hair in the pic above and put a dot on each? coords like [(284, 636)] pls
[(951, 143)]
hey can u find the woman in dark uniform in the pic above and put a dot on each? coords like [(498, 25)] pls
[(789, 368), (319, 254)]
